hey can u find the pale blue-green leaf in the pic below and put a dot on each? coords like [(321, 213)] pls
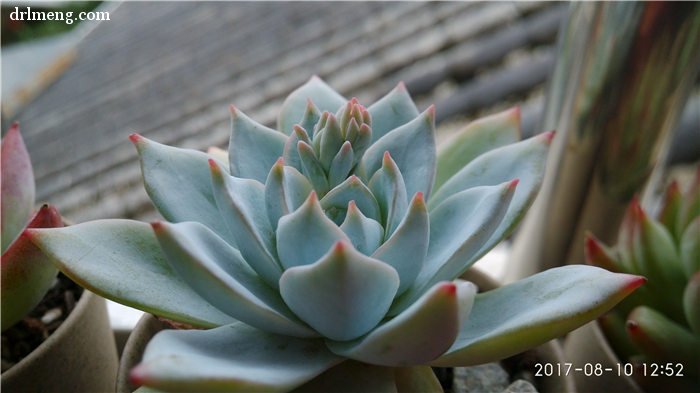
[(365, 233), (241, 203), (331, 141), (17, 186), (341, 165), (418, 335), (392, 111), (458, 229), (354, 377), (524, 161), (407, 247), (122, 261), (218, 273), (291, 153), (179, 184), (476, 138), (294, 106), (352, 189), (232, 358), (527, 313), (343, 295), (285, 190), (311, 117), (312, 168), (389, 190), (253, 148), (306, 235), (412, 147)]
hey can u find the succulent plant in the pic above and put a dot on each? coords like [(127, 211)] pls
[(26, 272), (320, 252), (661, 322)]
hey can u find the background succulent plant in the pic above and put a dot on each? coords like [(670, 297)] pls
[(26, 272), (321, 250), (661, 322)]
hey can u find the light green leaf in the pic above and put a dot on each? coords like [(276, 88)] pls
[(392, 111), (294, 106), (253, 148)]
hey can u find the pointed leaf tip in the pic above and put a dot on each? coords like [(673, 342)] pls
[(233, 110), (430, 112), (513, 184), (449, 289), (547, 136), (635, 282), (401, 86), (135, 138)]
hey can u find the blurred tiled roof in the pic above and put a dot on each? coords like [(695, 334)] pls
[(170, 70)]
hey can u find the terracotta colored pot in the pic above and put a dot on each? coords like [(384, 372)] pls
[(148, 326), (80, 356)]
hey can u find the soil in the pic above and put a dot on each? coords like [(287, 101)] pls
[(26, 335), (520, 366)]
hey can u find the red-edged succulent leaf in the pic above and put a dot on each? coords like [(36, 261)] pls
[(17, 185), (598, 254), (27, 274), (670, 213)]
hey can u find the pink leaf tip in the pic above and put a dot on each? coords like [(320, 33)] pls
[(449, 289), (135, 138), (513, 184), (548, 137)]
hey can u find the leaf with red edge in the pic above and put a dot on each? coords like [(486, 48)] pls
[(17, 185), (27, 274)]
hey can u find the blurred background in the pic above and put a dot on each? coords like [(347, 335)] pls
[(169, 70)]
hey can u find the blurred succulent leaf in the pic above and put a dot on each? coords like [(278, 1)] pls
[(671, 210), (351, 376), (27, 274), (18, 191), (690, 248), (691, 303), (663, 339)]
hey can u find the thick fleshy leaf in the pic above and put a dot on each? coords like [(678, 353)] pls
[(341, 165), (253, 148), (17, 185), (306, 235), (27, 274), (671, 209), (524, 161), (458, 229), (316, 90), (691, 303), (663, 340), (312, 168), (527, 313), (291, 152), (365, 233), (220, 155), (476, 138), (420, 334), (218, 273), (412, 147), (392, 111), (232, 358), (241, 205), (311, 117), (416, 379), (389, 189), (407, 247), (690, 248), (598, 254), (122, 261), (352, 189), (353, 377), (343, 295), (179, 184), (285, 190), (331, 141)]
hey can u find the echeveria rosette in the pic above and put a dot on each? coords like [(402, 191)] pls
[(26, 272), (321, 250), (660, 322)]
